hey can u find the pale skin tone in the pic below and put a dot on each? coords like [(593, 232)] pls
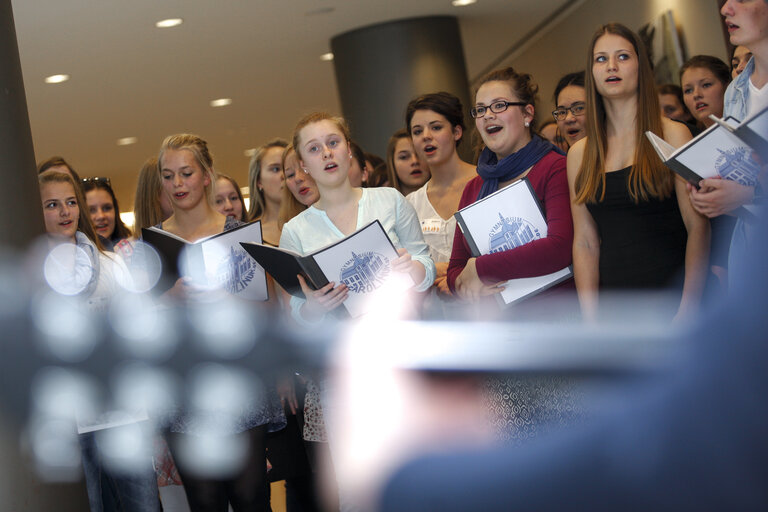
[(741, 56), (747, 24), (60, 211), (102, 211), (504, 133), (270, 183), (324, 152), (226, 199), (185, 183), (411, 172), (615, 71), (572, 127), (703, 94), (449, 173)]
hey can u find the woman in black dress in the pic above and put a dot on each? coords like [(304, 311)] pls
[(634, 226)]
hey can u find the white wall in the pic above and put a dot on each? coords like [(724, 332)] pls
[(562, 49)]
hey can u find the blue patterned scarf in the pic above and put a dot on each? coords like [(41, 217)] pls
[(493, 172)]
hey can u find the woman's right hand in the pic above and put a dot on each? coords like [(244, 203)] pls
[(321, 301)]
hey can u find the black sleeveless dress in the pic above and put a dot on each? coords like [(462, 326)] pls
[(642, 246)]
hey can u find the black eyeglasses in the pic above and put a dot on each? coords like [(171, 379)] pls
[(579, 109), (497, 107), (96, 179)]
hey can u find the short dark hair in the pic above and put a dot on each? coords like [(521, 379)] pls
[(576, 79), (443, 103)]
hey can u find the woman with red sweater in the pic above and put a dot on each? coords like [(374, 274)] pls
[(504, 115)]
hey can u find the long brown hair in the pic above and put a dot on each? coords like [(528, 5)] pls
[(257, 202), (289, 206), (648, 176), (84, 224), (121, 231), (394, 180), (146, 205)]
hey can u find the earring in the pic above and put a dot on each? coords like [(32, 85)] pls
[(527, 124), (305, 170)]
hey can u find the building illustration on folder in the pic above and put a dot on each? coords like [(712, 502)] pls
[(736, 164), (511, 232), (236, 271), (364, 272)]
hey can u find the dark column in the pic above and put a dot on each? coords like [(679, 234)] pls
[(20, 221), (21, 217), (380, 68)]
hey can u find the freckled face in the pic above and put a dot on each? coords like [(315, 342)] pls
[(746, 21), (60, 210)]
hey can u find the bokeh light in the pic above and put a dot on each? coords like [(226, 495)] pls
[(225, 328), (67, 327), (145, 331), (142, 269), (68, 269)]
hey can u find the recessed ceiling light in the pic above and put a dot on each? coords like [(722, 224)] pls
[(221, 102), (462, 3), (327, 56), (170, 22), (127, 141), (56, 79), (250, 152)]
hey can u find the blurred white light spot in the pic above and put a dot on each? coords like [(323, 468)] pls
[(249, 152), (327, 57), (128, 218), (221, 102), (225, 327), (69, 270), (137, 386), (462, 3), (213, 456), (67, 327), (64, 394), (144, 269), (168, 23), (56, 79), (55, 449), (126, 448), (222, 391), (127, 141), (146, 332)]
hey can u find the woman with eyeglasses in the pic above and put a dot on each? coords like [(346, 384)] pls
[(571, 104), (105, 215), (634, 227), (435, 125), (504, 114)]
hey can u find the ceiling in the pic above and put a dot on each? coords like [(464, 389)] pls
[(131, 79)]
